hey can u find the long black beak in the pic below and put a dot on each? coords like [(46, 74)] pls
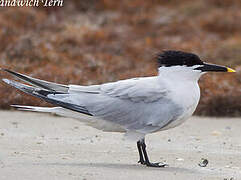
[(214, 68)]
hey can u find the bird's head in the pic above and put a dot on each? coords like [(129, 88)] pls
[(186, 65)]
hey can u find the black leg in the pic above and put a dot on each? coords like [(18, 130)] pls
[(142, 148), (140, 153)]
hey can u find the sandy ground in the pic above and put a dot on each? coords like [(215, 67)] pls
[(41, 146)]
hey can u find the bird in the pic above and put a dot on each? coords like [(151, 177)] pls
[(136, 107)]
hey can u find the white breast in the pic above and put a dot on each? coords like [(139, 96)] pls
[(186, 95)]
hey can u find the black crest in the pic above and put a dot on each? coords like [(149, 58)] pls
[(175, 58)]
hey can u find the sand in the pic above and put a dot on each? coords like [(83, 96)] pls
[(42, 146)]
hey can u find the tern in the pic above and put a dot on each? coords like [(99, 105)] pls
[(136, 107)]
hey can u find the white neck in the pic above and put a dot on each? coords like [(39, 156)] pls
[(179, 73), (184, 89)]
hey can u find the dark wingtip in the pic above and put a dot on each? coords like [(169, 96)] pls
[(7, 70)]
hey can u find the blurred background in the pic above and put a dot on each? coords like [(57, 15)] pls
[(95, 41)]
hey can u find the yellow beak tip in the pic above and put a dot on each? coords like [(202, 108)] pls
[(230, 70)]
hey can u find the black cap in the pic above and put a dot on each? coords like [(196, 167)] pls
[(178, 58)]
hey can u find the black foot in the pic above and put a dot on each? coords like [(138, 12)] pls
[(144, 160), (141, 162), (159, 165)]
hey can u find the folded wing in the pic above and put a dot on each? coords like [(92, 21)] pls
[(139, 104)]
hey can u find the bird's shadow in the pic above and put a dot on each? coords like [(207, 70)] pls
[(123, 166)]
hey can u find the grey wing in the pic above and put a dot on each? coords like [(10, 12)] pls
[(137, 89), (139, 104), (136, 104)]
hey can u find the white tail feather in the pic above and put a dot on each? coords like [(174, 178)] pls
[(35, 108)]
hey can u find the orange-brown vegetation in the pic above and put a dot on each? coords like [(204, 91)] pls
[(96, 41)]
